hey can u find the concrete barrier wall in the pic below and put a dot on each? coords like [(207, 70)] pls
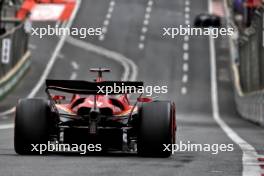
[(251, 105), (246, 60)]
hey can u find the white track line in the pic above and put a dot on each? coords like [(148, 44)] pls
[(125, 62), (185, 46), (75, 65), (144, 29), (184, 90), (142, 38), (73, 76), (107, 20), (6, 126), (185, 78), (187, 9), (249, 154), (187, 16), (185, 67), (147, 16), (8, 112), (141, 45), (185, 56), (186, 38), (187, 22), (50, 63)]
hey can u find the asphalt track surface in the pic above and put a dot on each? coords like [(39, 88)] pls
[(161, 61)]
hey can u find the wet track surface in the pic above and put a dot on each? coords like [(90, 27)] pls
[(162, 61)]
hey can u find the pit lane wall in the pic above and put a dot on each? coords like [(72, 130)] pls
[(14, 54), (251, 105), (247, 65)]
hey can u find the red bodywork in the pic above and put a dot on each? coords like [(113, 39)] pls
[(118, 105)]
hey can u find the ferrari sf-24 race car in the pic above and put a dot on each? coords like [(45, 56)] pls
[(89, 116)]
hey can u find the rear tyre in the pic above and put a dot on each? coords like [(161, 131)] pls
[(31, 125), (156, 128)]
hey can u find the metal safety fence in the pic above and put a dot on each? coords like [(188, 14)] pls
[(13, 44)]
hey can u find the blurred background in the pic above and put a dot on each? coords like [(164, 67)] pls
[(217, 84)]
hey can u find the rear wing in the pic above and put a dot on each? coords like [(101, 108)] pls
[(94, 88)]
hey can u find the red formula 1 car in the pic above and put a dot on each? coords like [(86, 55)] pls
[(90, 115)]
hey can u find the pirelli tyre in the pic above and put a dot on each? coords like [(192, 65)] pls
[(156, 128), (31, 125)]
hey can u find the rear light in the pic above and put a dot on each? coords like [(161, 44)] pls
[(144, 99), (58, 97)]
